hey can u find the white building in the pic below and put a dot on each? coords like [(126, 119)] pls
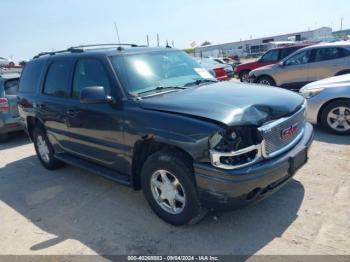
[(254, 47)]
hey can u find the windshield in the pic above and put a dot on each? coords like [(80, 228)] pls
[(155, 71)]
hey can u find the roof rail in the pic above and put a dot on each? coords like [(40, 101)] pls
[(81, 48)]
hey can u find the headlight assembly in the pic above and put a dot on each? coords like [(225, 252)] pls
[(308, 93), (235, 148)]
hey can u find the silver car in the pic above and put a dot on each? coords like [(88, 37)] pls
[(9, 116), (306, 65), (328, 103)]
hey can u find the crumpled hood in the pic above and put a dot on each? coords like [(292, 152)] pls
[(229, 103)]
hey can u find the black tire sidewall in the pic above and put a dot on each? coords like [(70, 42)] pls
[(53, 163), (325, 112), (183, 173), (241, 76)]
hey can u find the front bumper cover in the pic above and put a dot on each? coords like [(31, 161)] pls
[(219, 188)]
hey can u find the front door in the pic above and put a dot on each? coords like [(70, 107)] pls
[(295, 70), (95, 130)]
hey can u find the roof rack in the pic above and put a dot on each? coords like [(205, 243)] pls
[(82, 48)]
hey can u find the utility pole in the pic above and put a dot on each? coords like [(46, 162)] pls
[(147, 40), (341, 23), (116, 30), (158, 40)]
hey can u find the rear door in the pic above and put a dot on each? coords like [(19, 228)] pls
[(51, 104), (326, 62)]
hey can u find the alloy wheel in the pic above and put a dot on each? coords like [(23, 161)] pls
[(168, 192), (43, 149), (339, 118)]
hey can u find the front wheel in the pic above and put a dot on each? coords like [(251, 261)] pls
[(244, 77), (336, 117), (44, 150), (265, 80), (169, 187)]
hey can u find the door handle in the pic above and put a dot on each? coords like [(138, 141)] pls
[(72, 112)]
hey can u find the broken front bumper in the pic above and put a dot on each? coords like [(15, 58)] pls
[(220, 188)]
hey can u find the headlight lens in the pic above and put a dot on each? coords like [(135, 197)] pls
[(308, 93)]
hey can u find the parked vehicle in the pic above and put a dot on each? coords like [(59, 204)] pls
[(328, 103), (153, 119), (6, 63), (212, 65), (273, 56), (9, 117), (225, 61), (306, 65)]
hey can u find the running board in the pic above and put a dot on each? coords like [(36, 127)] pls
[(94, 168)]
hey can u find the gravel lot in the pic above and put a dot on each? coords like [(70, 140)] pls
[(70, 211)]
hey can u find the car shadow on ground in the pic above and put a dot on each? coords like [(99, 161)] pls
[(326, 137), (113, 219), (15, 139)]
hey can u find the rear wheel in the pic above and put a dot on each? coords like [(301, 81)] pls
[(44, 150), (244, 76), (266, 80), (336, 117), (169, 187)]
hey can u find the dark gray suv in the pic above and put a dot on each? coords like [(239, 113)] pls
[(154, 119)]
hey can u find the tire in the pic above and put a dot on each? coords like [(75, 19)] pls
[(40, 140), (266, 80), (336, 117), (172, 164), (244, 76)]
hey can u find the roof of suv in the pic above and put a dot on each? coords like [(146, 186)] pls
[(334, 44), (107, 51)]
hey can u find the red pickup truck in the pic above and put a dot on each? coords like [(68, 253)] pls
[(273, 56)]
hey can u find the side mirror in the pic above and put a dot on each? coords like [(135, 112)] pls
[(94, 95)]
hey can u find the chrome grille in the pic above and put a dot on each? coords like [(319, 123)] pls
[(272, 133)]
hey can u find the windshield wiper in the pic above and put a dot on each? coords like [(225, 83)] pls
[(201, 81), (160, 88)]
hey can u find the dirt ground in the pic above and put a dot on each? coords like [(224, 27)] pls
[(70, 211)]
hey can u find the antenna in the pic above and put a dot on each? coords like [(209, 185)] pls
[(116, 30)]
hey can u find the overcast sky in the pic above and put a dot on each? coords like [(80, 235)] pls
[(29, 27)]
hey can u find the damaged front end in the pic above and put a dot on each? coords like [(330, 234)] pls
[(239, 147)]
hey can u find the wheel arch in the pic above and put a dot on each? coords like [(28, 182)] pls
[(146, 147), (265, 75), (343, 72), (320, 111)]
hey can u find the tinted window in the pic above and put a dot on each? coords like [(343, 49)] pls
[(11, 87), (57, 79), (345, 52), (323, 54), (270, 56), (89, 72), (30, 76), (300, 58), (286, 52)]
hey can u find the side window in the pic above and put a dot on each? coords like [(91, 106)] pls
[(324, 54), (345, 52), (270, 56), (57, 79), (286, 52), (30, 76), (89, 72), (11, 87), (300, 58)]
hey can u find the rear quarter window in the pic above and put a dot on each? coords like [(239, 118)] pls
[(30, 76)]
